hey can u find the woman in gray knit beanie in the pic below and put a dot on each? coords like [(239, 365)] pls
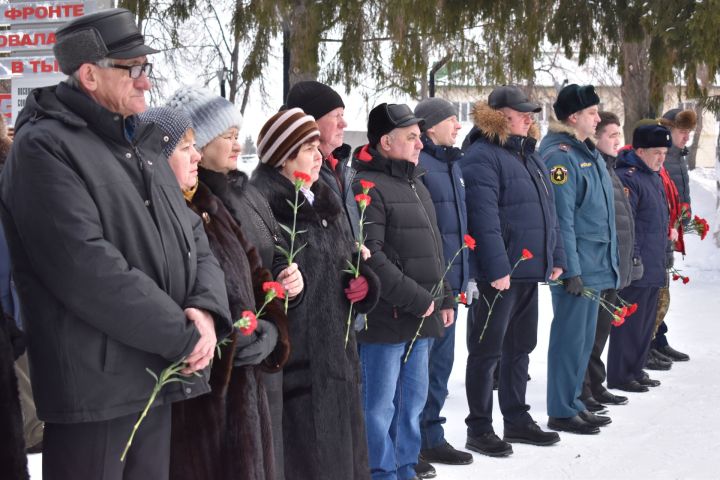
[(217, 123)]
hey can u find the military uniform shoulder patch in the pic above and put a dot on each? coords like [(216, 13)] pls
[(558, 174), (564, 147)]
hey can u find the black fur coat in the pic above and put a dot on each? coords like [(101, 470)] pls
[(226, 434), (323, 422)]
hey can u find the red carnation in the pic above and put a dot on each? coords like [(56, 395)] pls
[(632, 309), (275, 287), (618, 320), (686, 280), (363, 199), (676, 277), (462, 298), (366, 185), (302, 176), (469, 241), (526, 254), (247, 323)]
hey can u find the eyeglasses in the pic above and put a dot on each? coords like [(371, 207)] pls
[(135, 70)]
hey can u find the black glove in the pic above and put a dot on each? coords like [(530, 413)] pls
[(574, 286), (15, 335), (637, 269), (265, 337)]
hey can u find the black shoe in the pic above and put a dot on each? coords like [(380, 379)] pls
[(633, 386), (610, 399), (594, 406), (572, 425), (646, 381), (489, 444), (674, 354), (424, 470), (445, 454), (654, 363), (661, 356), (592, 419), (530, 433)]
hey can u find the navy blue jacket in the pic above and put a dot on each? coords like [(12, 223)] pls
[(652, 217), (585, 207), (445, 183), (509, 201)]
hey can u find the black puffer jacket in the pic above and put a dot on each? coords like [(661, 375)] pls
[(323, 422), (106, 255), (677, 167), (402, 234), (625, 228)]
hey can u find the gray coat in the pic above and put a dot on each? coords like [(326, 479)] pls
[(677, 167), (106, 256)]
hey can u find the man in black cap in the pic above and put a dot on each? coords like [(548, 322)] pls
[(114, 273), (403, 237), (586, 214), (511, 209), (638, 170), (680, 123)]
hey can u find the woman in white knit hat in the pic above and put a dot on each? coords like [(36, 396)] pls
[(323, 423), (216, 123)]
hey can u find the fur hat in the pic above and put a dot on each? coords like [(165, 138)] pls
[(574, 98), (211, 114), (681, 119), (173, 122), (110, 33), (434, 110), (283, 133), (314, 98), (651, 136)]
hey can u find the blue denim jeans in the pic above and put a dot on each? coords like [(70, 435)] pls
[(394, 395), (442, 355)]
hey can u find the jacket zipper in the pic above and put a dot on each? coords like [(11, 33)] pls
[(542, 180), (427, 217)]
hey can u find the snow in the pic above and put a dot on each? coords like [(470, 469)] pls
[(671, 432)]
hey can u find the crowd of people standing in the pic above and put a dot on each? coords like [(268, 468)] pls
[(311, 306)]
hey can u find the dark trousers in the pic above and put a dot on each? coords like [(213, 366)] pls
[(442, 355), (630, 343), (92, 450), (510, 337), (596, 374)]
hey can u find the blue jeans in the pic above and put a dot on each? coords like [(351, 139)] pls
[(394, 395), (442, 355)]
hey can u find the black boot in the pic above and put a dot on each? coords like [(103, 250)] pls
[(446, 454), (594, 406), (659, 355), (489, 444), (610, 399), (654, 363), (592, 419), (530, 433), (572, 425), (424, 470), (633, 386), (674, 354)]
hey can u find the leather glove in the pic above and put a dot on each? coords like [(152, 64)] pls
[(357, 289), (574, 286), (471, 291), (265, 338)]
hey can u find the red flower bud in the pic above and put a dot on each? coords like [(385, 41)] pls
[(618, 320), (632, 309), (247, 323), (469, 241), (275, 287), (366, 185), (304, 177), (526, 254)]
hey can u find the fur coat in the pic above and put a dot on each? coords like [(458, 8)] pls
[(323, 422), (226, 434)]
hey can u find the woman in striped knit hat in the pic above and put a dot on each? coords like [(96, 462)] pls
[(323, 423)]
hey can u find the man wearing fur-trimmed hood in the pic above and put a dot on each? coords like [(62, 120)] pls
[(586, 212), (511, 210)]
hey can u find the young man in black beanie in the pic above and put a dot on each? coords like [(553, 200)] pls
[(586, 214)]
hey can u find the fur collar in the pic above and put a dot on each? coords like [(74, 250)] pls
[(492, 124), (278, 190), (559, 127)]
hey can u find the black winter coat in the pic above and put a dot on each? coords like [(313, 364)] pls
[(323, 422), (651, 214), (445, 183), (510, 202), (227, 433), (340, 179), (624, 227), (105, 256), (677, 167), (12, 454), (402, 234)]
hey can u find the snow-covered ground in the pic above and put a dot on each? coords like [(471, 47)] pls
[(671, 432)]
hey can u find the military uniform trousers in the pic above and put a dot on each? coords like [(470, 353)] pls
[(596, 374), (572, 336), (510, 336), (630, 343)]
